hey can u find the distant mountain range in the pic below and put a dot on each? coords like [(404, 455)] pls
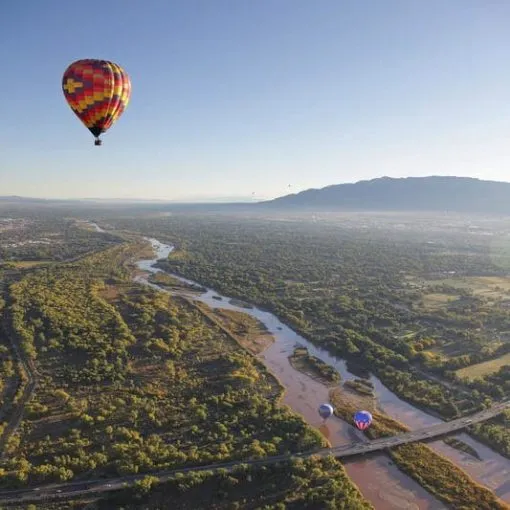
[(456, 194)]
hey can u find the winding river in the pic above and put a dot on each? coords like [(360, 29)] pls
[(380, 481)]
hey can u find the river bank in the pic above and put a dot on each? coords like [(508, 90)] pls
[(380, 481), (493, 470)]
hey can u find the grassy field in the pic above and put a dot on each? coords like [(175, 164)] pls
[(435, 300), (491, 287), (485, 368), (477, 320), (251, 333), (24, 264), (361, 386), (173, 284), (347, 398)]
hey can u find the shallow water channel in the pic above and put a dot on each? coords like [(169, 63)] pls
[(381, 482)]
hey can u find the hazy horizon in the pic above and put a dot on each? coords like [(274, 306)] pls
[(212, 199), (244, 99), (190, 199)]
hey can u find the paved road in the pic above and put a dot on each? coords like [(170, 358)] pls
[(82, 488)]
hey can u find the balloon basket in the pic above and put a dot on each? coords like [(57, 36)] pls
[(98, 142)]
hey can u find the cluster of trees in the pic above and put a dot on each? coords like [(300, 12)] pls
[(138, 381), (56, 313), (10, 379), (135, 382), (348, 291), (311, 483), (496, 384), (49, 238), (495, 432)]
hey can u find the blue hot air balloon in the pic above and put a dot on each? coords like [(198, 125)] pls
[(325, 411), (362, 419)]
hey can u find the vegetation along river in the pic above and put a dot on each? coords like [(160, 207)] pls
[(379, 480)]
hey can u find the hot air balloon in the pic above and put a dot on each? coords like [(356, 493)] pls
[(97, 91), (362, 419), (325, 411)]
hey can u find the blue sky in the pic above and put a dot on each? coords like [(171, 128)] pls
[(238, 97)]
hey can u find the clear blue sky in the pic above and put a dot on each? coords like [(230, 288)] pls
[(241, 96)]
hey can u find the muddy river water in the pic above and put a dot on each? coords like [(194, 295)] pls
[(381, 482)]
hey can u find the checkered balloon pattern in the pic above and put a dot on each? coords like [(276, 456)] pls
[(97, 91)]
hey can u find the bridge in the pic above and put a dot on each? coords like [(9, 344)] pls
[(89, 487), (434, 431)]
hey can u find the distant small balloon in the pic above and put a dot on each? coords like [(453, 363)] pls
[(325, 411), (362, 419)]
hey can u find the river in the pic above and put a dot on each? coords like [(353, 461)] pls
[(380, 481), (96, 227)]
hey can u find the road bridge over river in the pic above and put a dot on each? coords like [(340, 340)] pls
[(424, 434), (90, 487)]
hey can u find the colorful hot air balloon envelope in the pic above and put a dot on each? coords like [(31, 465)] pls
[(97, 91), (362, 419), (325, 411)]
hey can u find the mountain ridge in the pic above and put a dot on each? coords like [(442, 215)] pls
[(420, 194), (432, 193)]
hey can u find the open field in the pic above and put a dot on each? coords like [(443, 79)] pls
[(436, 300), (24, 264), (483, 369), (491, 287), (252, 334), (172, 284)]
